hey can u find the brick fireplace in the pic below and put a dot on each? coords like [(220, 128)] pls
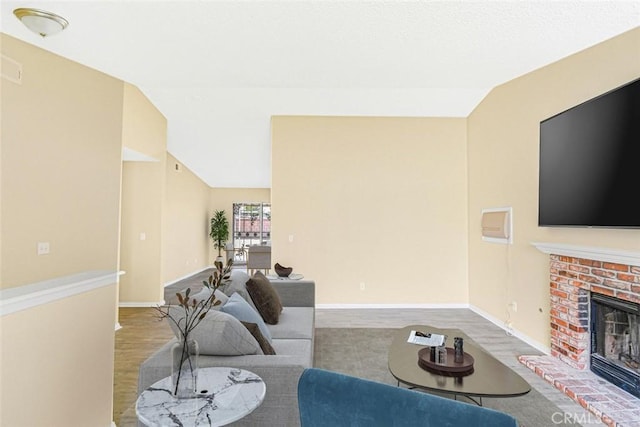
[(579, 277), (571, 281)]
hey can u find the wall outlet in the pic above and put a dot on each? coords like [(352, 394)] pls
[(290, 238), (43, 248), (513, 306), (362, 286), (509, 328)]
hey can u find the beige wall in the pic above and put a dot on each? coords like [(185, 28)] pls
[(61, 154), (186, 225), (2, 82), (144, 128), (57, 362), (187, 209), (143, 196), (141, 256), (379, 201), (503, 171), (61, 164), (183, 244)]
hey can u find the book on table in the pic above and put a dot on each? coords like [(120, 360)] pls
[(429, 339)]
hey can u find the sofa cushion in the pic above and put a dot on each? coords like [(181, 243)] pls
[(241, 310), (300, 352), (218, 334), (265, 297), (221, 297), (205, 293), (238, 284), (264, 343), (295, 322)]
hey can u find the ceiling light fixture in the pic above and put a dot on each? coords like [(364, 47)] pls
[(41, 22)]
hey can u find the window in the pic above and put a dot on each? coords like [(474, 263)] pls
[(251, 224)]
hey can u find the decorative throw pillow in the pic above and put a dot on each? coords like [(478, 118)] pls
[(237, 284), (265, 297), (241, 310), (203, 294), (265, 345), (218, 334), (206, 293)]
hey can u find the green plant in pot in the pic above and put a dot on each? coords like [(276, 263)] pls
[(219, 231)]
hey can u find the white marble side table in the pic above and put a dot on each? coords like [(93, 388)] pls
[(224, 395)]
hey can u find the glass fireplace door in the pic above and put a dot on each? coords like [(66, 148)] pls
[(615, 341)]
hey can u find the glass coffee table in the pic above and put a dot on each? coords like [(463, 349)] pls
[(490, 378), (224, 395)]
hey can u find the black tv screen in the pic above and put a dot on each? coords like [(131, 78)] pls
[(590, 163)]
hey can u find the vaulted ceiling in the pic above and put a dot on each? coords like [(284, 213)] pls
[(218, 70)]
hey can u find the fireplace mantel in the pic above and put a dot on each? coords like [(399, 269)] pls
[(589, 252)]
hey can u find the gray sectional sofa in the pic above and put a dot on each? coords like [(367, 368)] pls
[(292, 340)]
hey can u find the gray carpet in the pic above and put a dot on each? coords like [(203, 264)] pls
[(363, 353)]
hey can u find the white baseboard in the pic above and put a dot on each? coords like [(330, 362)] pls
[(364, 306), (141, 304), (118, 326), (516, 333)]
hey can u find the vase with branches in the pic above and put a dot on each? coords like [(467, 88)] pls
[(185, 317), (219, 231)]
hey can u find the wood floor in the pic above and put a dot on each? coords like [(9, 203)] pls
[(141, 334)]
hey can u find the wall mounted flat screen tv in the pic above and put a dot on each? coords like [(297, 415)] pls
[(590, 163)]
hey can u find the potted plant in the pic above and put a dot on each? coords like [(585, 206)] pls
[(219, 232)]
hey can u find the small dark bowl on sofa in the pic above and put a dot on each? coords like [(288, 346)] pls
[(283, 271)]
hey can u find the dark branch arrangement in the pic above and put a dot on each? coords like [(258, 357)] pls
[(195, 310)]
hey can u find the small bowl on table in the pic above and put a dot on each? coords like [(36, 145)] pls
[(282, 271)]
